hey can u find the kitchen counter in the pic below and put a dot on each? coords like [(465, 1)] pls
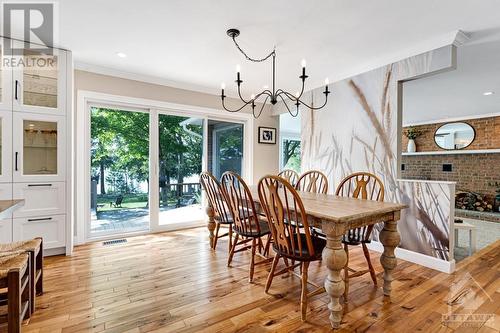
[(8, 206)]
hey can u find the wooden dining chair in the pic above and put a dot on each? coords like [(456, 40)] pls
[(247, 224), (313, 181), (15, 284), (366, 186), (281, 203), (289, 175), (216, 200)]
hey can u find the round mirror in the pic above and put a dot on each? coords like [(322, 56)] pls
[(454, 136)]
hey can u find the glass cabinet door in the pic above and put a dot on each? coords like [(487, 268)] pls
[(5, 146), (38, 148), (5, 81), (39, 82)]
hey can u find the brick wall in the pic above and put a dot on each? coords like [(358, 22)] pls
[(472, 172), (487, 135)]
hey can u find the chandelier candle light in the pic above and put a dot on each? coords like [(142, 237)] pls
[(266, 94)]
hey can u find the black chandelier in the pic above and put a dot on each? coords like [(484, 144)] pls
[(271, 96)]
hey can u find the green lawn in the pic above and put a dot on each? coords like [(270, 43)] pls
[(130, 201)]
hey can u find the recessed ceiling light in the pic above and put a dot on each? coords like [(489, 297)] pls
[(488, 93), (121, 55)]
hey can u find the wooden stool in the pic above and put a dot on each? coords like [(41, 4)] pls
[(472, 234), (15, 277), (34, 248)]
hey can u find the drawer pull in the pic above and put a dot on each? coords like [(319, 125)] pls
[(40, 219), (38, 185)]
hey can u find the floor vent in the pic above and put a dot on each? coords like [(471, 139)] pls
[(114, 241)]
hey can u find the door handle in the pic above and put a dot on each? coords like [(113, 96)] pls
[(16, 89), (15, 161), (38, 185), (40, 219)]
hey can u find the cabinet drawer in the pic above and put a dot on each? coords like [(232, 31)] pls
[(40, 198), (50, 227), (6, 231)]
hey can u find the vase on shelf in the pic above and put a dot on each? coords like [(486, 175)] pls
[(412, 147)]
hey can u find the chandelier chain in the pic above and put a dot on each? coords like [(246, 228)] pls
[(248, 57)]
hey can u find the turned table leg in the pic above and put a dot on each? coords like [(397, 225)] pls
[(389, 236), (335, 259), (211, 224)]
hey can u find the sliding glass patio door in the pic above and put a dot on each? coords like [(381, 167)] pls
[(180, 160), (225, 148), (145, 168), (119, 182)]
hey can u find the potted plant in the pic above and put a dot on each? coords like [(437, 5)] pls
[(412, 133)]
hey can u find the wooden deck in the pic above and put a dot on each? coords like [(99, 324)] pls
[(173, 282)]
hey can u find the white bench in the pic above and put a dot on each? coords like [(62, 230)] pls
[(472, 235)]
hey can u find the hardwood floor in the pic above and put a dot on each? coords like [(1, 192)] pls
[(173, 282)]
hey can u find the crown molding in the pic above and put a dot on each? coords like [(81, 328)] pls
[(144, 78), (461, 38)]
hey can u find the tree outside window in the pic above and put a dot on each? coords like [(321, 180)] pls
[(291, 154)]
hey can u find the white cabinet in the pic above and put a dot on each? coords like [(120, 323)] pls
[(52, 228), (39, 149), (34, 123), (40, 198), (6, 231), (40, 85), (5, 81), (5, 147)]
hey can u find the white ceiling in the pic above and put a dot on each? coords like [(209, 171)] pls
[(184, 43), (458, 93)]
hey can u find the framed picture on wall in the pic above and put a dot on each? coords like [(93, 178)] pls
[(267, 135)]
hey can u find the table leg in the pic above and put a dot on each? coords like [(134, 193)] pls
[(211, 224), (335, 258), (472, 241), (389, 236)]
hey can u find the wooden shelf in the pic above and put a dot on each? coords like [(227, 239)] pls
[(453, 152)]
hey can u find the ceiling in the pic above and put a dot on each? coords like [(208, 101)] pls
[(184, 43), (458, 93)]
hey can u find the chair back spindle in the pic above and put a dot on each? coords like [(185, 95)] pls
[(361, 185), (290, 175), (240, 202), (282, 204), (215, 196), (313, 181)]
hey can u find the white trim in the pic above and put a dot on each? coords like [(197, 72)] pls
[(70, 154), (417, 258), (453, 119), (427, 181), (454, 152), (461, 38), (87, 98)]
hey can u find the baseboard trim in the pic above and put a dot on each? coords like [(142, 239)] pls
[(417, 258), (54, 252)]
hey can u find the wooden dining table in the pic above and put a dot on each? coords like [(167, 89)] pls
[(335, 215)]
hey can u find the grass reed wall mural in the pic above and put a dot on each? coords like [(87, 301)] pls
[(358, 131)]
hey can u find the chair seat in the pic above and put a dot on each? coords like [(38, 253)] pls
[(318, 245), (12, 262), (29, 245), (264, 230)]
